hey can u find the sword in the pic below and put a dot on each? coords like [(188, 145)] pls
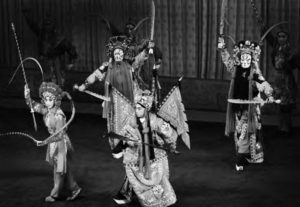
[(104, 98), (261, 101), (24, 75), (222, 17), (152, 24)]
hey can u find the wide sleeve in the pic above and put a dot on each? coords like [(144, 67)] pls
[(98, 74), (228, 60), (140, 59), (262, 85)]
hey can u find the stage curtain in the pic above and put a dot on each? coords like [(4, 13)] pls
[(185, 30)]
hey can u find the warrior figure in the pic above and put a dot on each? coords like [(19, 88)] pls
[(248, 84), (117, 72), (142, 73), (59, 144), (147, 137)]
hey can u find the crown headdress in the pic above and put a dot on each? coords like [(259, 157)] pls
[(50, 88), (116, 42), (247, 47)]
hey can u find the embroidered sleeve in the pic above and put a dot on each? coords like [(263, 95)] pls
[(165, 130), (258, 77), (99, 74), (59, 123), (265, 88), (101, 71), (139, 60), (262, 85), (132, 133), (227, 60)]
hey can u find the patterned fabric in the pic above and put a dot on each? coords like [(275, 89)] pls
[(245, 84), (243, 119), (172, 110), (155, 190), (121, 114), (149, 180), (245, 142), (60, 145)]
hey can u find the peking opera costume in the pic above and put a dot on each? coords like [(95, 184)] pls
[(144, 138), (245, 97)]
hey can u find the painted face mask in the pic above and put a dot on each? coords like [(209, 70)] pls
[(49, 100), (118, 55), (246, 60), (140, 111)]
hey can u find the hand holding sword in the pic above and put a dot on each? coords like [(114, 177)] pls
[(82, 89)]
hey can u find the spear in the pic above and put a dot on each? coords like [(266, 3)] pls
[(120, 137), (24, 75)]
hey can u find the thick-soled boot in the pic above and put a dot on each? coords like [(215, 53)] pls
[(240, 161)]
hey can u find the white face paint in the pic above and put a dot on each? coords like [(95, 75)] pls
[(118, 55), (246, 60), (49, 101), (140, 111)]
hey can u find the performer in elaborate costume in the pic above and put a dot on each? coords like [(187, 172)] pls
[(143, 73), (284, 60), (117, 72), (59, 144), (243, 113), (146, 137)]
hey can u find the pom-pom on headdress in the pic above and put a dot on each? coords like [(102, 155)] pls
[(51, 89), (144, 98), (116, 42), (247, 47)]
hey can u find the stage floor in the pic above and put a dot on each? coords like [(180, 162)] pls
[(203, 176)]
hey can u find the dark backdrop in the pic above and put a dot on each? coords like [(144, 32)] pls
[(185, 30)]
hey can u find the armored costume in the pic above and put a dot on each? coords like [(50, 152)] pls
[(148, 138), (247, 83), (116, 72)]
